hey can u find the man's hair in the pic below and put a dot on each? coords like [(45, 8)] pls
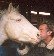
[(50, 25)]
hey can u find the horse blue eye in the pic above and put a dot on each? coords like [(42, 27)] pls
[(18, 20)]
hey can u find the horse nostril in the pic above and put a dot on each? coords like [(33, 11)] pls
[(37, 34)]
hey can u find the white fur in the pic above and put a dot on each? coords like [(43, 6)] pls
[(17, 28)]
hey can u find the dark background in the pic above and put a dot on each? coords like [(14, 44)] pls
[(28, 5)]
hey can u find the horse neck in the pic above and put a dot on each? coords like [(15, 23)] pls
[(2, 23), (3, 35)]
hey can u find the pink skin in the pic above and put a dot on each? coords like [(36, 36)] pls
[(44, 33)]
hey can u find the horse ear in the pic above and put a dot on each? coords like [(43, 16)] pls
[(10, 8), (17, 7)]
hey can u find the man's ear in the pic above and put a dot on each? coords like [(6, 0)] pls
[(49, 32)]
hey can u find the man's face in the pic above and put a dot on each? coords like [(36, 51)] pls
[(43, 31)]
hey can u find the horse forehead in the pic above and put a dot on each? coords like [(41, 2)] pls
[(15, 15)]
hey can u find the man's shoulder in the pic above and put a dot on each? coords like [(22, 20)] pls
[(51, 44)]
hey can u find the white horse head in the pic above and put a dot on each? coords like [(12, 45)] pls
[(15, 26)]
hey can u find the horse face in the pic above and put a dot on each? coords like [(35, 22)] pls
[(20, 29)]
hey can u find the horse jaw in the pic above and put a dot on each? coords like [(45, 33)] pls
[(3, 36)]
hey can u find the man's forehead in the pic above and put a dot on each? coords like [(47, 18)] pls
[(43, 26)]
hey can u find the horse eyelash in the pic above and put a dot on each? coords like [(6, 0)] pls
[(18, 20)]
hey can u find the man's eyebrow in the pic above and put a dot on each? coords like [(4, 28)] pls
[(40, 29)]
